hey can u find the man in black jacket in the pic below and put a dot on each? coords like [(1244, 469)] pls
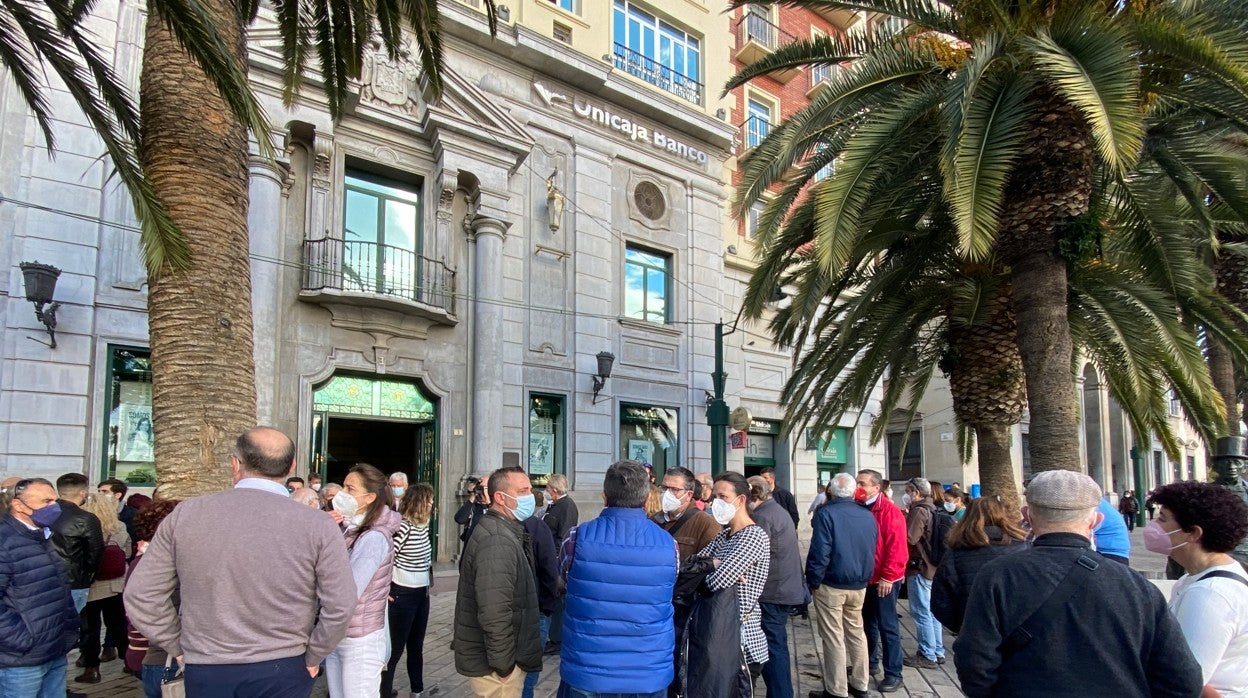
[(782, 496), (1084, 626), (77, 537), (38, 623), (561, 516), (496, 609)]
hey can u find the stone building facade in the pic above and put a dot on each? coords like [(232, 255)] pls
[(433, 281)]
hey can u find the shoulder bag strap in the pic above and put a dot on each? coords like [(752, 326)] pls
[(1034, 626), (1225, 574)]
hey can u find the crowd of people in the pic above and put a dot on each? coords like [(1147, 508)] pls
[(681, 587)]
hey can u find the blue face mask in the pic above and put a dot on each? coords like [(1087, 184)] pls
[(47, 515), (525, 504)]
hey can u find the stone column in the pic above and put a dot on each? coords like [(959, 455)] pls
[(264, 225), (487, 332)]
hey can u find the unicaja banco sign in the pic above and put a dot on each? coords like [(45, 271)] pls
[(622, 123)]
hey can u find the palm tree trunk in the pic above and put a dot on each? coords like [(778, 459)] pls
[(1047, 351), (996, 464), (203, 382), (1052, 185), (1232, 283)]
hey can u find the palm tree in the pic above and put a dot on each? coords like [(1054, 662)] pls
[(184, 160), (908, 305), (1018, 106)]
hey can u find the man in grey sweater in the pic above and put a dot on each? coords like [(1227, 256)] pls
[(266, 587)]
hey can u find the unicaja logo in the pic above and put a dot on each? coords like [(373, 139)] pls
[(621, 123)]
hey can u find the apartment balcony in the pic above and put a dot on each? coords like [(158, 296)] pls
[(843, 19), (757, 38), (370, 274), (753, 131), (649, 70), (820, 77)]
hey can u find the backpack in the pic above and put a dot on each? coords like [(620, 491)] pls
[(938, 543), (112, 564)]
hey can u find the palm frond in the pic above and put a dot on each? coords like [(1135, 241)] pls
[(1092, 65)]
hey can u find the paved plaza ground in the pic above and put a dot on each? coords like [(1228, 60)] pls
[(805, 650)]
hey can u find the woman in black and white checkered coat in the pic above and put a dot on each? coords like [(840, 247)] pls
[(741, 554)]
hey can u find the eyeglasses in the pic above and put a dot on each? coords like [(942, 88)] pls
[(676, 490)]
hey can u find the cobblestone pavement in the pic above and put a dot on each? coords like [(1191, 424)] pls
[(805, 652)]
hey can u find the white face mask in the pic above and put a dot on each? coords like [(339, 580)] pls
[(345, 504), (316, 487), (722, 511), (872, 498), (670, 501), (905, 499), (951, 507)]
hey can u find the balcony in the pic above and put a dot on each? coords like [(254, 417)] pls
[(383, 276), (641, 66), (757, 38), (820, 77), (843, 19), (753, 131)]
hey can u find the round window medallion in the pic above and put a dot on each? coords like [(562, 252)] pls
[(649, 200)]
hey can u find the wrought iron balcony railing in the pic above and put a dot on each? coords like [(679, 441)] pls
[(754, 130), (373, 268), (641, 66), (757, 28)]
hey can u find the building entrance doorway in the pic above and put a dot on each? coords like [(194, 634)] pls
[(390, 424)]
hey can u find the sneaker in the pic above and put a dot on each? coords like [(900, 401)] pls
[(940, 660), (890, 684), (918, 661), (855, 693)]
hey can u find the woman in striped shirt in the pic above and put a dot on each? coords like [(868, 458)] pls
[(409, 589)]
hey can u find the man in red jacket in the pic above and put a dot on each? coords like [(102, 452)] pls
[(879, 612)]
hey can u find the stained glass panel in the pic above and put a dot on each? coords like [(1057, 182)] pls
[(376, 398)]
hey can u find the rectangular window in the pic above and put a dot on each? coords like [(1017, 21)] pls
[(752, 219), (1159, 468), (569, 5), (1191, 468), (903, 466), (381, 236), (660, 53), (1026, 444), (547, 437), (757, 122), (650, 435), (647, 285), (128, 435)]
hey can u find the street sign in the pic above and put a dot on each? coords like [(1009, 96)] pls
[(738, 440), (740, 419)]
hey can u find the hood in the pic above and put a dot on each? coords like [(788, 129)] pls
[(388, 522)]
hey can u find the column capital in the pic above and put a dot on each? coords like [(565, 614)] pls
[(489, 225)]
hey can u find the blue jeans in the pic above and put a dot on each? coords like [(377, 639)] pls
[(776, 672), (530, 679), (45, 680), (927, 628), (153, 675), (879, 615), (566, 691), (80, 598)]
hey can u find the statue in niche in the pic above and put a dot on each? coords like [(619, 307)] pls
[(393, 82), (555, 202)]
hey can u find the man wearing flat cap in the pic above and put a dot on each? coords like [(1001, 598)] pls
[(1061, 620)]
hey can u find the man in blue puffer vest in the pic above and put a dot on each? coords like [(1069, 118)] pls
[(618, 636), (38, 623)]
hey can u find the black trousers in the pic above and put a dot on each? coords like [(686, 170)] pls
[(409, 618), (113, 614), (280, 678)]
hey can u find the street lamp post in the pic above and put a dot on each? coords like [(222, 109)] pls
[(1137, 467), (717, 409)]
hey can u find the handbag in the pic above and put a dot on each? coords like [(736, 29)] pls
[(174, 687)]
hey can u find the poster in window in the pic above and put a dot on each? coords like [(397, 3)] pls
[(135, 438), (641, 450), (541, 453)]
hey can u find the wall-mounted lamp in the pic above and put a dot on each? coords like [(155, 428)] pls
[(605, 360), (40, 280), (504, 13), (721, 114), (555, 202)]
